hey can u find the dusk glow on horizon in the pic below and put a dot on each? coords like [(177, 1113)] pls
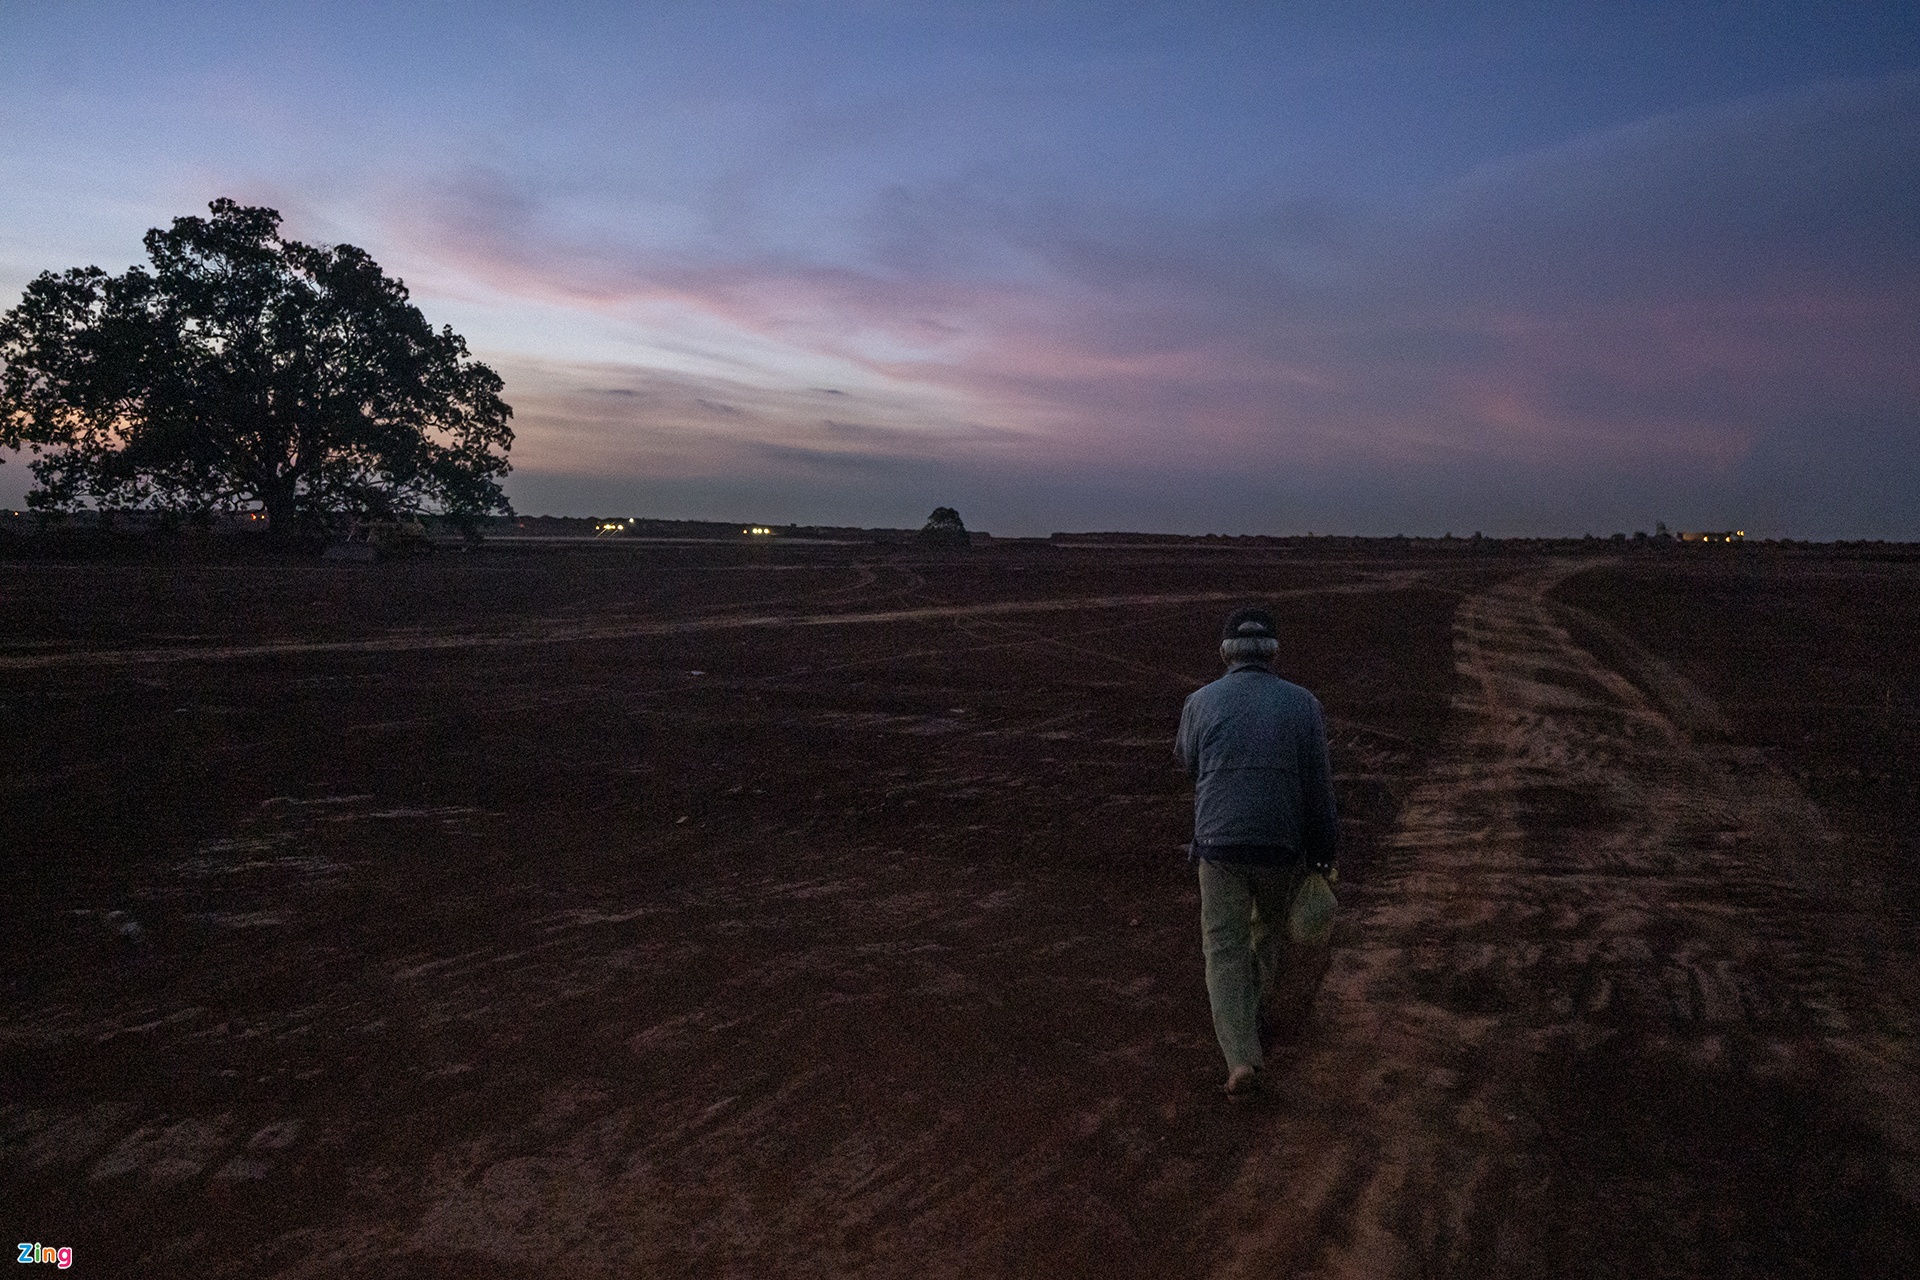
[(1213, 267)]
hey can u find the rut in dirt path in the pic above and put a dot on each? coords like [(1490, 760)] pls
[(557, 632), (1601, 951)]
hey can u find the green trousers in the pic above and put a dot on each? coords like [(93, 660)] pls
[(1243, 928)]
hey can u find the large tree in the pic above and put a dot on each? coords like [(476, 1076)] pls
[(247, 368)]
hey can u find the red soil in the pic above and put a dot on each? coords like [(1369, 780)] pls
[(479, 935)]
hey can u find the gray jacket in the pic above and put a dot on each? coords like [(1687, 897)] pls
[(1256, 747)]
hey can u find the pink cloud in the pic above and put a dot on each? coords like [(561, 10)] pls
[(1504, 333)]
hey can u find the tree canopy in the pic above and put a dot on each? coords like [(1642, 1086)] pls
[(944, 528), (245, 368)]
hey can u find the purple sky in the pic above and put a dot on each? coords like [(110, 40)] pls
[(1227, 267)]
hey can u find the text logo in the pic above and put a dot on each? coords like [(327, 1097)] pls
[(61, 1258)]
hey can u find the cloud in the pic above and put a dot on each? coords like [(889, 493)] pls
[(1761, 192), (640, 420), (1690, 313)]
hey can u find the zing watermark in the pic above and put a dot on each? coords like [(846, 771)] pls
[(61, 1257)]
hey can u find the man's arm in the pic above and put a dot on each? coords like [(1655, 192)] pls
[(1185, 750), (1320, 828)]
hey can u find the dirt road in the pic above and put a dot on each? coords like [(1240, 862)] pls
[(548, 632), (1613, 1006)]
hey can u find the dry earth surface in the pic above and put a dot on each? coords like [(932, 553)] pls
[(783, 910)]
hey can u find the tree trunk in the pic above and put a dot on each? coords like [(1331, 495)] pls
[(276, 495)]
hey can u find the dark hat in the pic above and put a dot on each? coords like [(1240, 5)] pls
[(1249, 623)]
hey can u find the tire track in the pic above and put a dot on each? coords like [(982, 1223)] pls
[(1577, 873), (561, 633)]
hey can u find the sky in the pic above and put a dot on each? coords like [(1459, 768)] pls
[(1355, 267)]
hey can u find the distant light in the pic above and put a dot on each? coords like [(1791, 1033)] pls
[(758, 530)]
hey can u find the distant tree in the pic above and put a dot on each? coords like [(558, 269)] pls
[(944, 528), (244, 367)]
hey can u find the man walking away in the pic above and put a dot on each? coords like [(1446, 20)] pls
[(1256, 747)]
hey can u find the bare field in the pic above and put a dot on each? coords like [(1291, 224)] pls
[(712, 910)]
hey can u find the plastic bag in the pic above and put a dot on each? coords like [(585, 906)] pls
[(1310, 917)]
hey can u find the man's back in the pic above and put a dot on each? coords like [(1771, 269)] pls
[(1256, 746)]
